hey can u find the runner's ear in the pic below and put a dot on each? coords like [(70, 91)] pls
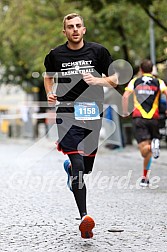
[(84, 31)]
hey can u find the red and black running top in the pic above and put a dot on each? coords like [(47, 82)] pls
[(146, 90)]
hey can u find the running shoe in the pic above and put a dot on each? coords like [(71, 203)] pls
[(86, 226), (155, 147), (144, 182), (67, 167)]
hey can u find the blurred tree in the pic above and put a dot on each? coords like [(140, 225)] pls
[(123, 26), (151, 8), (29, 29)]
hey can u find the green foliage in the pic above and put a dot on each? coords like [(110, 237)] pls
[(125, 24), (29, 29)]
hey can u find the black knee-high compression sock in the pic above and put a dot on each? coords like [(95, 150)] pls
[(79, 191), (78, 185)]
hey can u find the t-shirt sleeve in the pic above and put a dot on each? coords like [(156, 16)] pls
[(49, 65), (106, 62), (130, 86), (162, 85)]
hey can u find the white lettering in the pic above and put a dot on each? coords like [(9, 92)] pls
[(148, 92), (77, 63)]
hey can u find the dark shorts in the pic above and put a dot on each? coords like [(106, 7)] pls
[(145, 129), (77, 136)]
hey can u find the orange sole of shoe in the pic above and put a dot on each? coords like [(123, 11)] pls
[(86, 227)]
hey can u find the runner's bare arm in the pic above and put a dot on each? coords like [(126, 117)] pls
[(125, 102), (110, 81), (48, 84)]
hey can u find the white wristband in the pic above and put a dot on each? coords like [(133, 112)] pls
[(49, 93), (126, 114)]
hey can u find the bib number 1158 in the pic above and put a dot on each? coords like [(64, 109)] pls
[(86, 111)]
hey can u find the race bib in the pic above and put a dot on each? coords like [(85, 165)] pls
[(86, 111)]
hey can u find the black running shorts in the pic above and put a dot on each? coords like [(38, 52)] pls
[(145, 129), (77, 136)]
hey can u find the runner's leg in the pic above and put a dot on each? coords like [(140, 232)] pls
[(88, 164), (78, 184), (145, 151)]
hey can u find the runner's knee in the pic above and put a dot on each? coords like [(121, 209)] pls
[(77, 164)]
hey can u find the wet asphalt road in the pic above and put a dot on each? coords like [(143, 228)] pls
[(38, 212)]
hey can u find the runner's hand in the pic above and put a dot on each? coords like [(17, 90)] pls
[(90, 79), (52, 98)]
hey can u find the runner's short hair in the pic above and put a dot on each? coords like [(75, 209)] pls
[(146, 66), (71, 16)]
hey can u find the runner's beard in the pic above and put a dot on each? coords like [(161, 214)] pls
[(75, 41)]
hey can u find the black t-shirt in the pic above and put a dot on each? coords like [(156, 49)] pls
[(71, 64)]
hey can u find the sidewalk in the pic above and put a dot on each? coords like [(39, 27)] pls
[(38, 212)]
